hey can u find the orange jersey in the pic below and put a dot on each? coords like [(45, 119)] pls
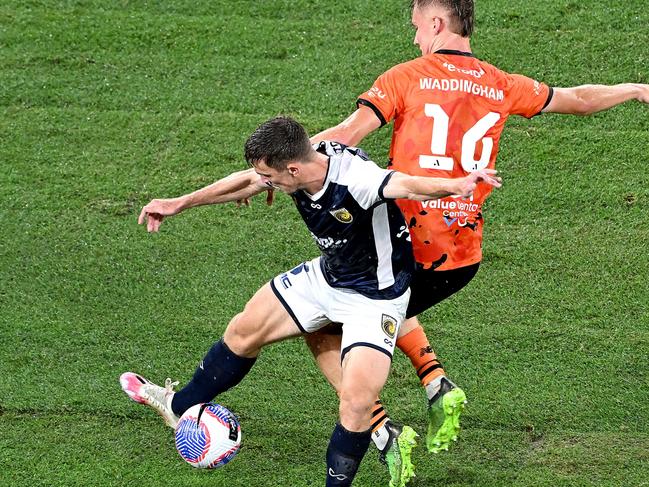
[(449, 110)]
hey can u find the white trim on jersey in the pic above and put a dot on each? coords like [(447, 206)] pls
[(363, 179), (315, 197), (383, 244)]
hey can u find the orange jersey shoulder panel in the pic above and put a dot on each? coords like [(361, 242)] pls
[(449, 110)]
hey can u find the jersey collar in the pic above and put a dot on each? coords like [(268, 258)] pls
[(454, 52), (321, 147), (325, 186)]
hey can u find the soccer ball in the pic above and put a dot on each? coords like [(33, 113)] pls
[(208, 436)]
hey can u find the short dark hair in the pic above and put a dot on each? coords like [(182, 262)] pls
[(461, 13), (276, 142)]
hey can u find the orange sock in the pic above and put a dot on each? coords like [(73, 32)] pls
[(379, 416), (416, 346)]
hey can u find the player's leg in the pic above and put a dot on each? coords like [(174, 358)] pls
[(365, 371), (324, 345), (413, 342), (264, 320), (445, 400), (394, 441), (371, 325)]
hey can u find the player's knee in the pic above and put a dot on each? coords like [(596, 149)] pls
[(242, 336), (355, 408)]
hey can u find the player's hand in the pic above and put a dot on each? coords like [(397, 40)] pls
[(243, 202), (643, 96), (469, 183), (270, 197), (156, 210)]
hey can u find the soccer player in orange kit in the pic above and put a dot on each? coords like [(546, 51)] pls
[(449, 109)]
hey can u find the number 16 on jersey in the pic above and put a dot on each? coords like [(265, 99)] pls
[(439, 159)]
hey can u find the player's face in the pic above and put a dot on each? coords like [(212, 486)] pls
[(424, 23), (284, 180)]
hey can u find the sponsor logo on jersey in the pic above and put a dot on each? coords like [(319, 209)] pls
[(328, 242), (449, 221), (342, 215), (403, 230), (455, 210), (471, 72), (452, 208), (375, 91), (389, 325)]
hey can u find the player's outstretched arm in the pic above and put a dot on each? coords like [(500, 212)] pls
[(588, 99), (351, 130), (237, 186), (403, 186)]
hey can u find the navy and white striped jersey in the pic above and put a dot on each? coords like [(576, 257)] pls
[(363, 237)]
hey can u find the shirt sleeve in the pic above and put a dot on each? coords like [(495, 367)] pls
[(527, 96), (365, 181), (384, 97)]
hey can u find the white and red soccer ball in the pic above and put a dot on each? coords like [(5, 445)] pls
[(208, 436)]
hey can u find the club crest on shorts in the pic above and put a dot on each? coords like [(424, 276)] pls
[(389, 325), (342, 215)]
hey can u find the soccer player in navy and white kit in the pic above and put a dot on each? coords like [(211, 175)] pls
[(361, 279)]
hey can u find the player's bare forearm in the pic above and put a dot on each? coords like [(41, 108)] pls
[(351, 130), (589, 99), (424, 188), (334, 134), (421, 188), (237, 186)]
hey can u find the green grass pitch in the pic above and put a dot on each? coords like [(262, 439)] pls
[(106, 104)]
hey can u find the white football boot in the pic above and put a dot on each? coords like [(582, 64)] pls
[(145, 392)]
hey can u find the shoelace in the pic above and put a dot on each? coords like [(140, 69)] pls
[(157, 395), (169, 386)]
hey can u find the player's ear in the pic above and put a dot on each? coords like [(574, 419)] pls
[(437, 24), (293, 169)]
